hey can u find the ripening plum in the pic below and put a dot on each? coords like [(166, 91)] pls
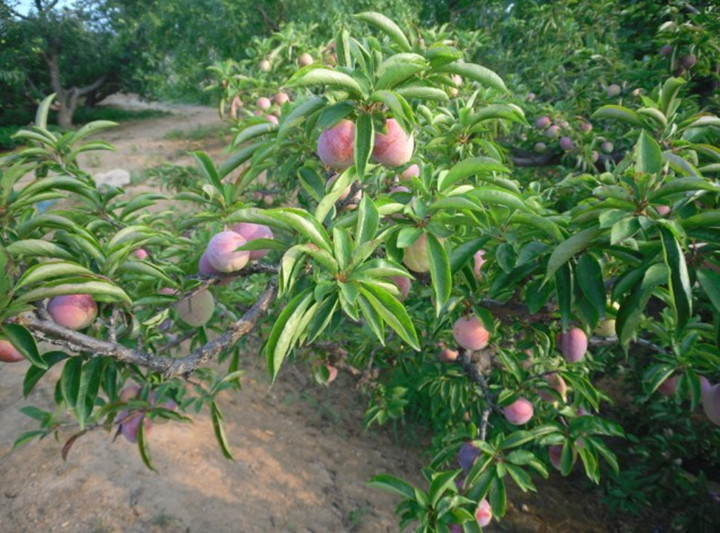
[(606, 328), (264, 103), (470, 333), (306, 59), (552, 132), (663, 210), (235, 106), (557, 382), (669, 386), (572, 344), (395, 148), (141, 253), (447, 355), (413, 171), (586, 126), (336, 145), (196, 310), (478, 263), (567, 144), (223, 254), (130, 425), (273, 119), (403, 285), (281, 98), (8, 352), (543, 122), (205, 267), (688, 61), (416, 255), (607, 147), (73, 311), (711, 400), (666, 51), (519, 412), (467, 455), (250, 232), (613, 90), (556, 456), (484, 513)]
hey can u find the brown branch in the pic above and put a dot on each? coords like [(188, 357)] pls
[(82, 91), (268, 21), (167, 366)]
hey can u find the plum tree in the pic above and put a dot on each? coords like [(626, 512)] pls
[(394, 148), (336, 145), (73, 311)]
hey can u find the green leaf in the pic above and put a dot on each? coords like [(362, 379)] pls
[(710, 283), (632, 306), (440, 484), (91, 376), (364, 142), (564, 289), (387, 26), (219, 430), (422, 93), (569, 248), (251, 132), (143, 446), (590, 278), (304, 223), (471, 167), (343, 247), (103, 289), (42, 111), (617, 112), (55, 269), (680, 287), (439, 271), (70, 380), (668, 95), (392, 312), (207, 169), (398, 68), (38, 248), (368, 220), (35, 373), (299, 114), (495, 196), (648, 155), (331, 78), (475, 72), (682, 185), (24, 342), (280, 341), (392, 484)]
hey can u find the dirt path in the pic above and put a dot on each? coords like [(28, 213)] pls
[(303, 459)]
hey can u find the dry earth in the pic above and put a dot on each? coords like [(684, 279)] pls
[(303, 459)]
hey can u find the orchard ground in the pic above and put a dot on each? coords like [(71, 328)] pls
[(303, 458)]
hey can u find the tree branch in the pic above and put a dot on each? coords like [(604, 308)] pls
[(167, 366), (93, 86)]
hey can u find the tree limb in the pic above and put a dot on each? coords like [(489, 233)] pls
[(47, 329)]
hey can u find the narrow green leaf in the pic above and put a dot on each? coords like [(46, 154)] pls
[(648, 155), (590, 278), (387, 26), (217, 422), (710, 283), (392, 484), (279, 342), (331, 78), (616, 112), (569, 248), (680, 287), (143, 446), (475, 72), (70, 380), (471, 167), (392, 312), (24, 342), (368, 220), (364, 142), (439, 271)]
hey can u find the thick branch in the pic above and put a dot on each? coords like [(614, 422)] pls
[(167, 366), (82, 91)]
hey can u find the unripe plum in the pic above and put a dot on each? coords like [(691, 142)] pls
[(223, 254), (456, 528), (467, 455), (519, 412), (663, 210), (73, 311), (484, 513), (413, 171), (8, 352), (306, 59), (470, 333), (666, 50), (457, 79), (336, 145), (265, 65), (281, 98), (403, 285), (453, 92), (531, 96), (543, 122), (196, 310), (395, 148), (567, 144), (613, 90), (264, 103), (416, 255), (129, 392), (273, 119), (250, 232), (607, 147), (479, 262), (711, 400), (586, 126), (688, 61), (540, 147), (130, 425), (447, 355), (140, 253), (552, 132), (595, 156), (606, 328), (572, 344)]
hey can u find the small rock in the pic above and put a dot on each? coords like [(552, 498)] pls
[(116, 177)]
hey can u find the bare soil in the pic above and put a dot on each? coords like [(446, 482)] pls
[(303, 458)]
